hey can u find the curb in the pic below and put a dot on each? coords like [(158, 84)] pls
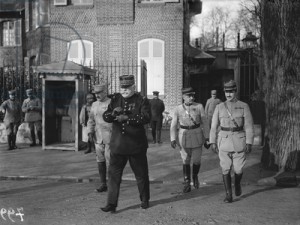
[(66, 179)]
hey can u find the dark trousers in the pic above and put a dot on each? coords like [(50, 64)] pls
[(139, 166), (156, 127)]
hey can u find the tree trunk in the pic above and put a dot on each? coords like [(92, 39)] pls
[(281, 54)]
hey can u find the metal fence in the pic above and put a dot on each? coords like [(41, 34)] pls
[(249, 77), (21, 78), (109, 73)]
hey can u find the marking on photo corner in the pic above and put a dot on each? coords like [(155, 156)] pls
[(10, 213)]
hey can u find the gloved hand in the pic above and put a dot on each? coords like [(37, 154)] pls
[(121, 118), (206, 143), (214, 148), (173, 144), (117, 111), (248, 148), (91, 137)]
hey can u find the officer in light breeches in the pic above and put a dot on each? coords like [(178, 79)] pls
[(12, 118), (99, 132), (234, 139), (192, 135)]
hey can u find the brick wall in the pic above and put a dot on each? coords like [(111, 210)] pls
[(117, 40)]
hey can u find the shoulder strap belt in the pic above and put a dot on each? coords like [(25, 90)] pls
[(232, 119)]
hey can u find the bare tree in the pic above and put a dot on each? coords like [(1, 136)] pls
[(214, 25), (281, 54)]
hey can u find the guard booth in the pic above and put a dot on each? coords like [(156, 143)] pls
[(64, 87)]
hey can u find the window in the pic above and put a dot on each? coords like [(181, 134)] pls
[(81, 52), (82, 2), (38, 14), (33, 15), (152, 52), (11, 33)]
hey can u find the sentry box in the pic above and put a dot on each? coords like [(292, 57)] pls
[(64, 87)]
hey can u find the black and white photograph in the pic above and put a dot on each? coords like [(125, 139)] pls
[(150, 112)]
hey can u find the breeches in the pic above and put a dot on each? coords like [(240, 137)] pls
[(191, 154), (102, 152), (36, 124), (229, 159), (12, 128), (139, 166)]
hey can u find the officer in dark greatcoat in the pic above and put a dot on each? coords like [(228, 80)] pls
[(128, 112), (157, 108), (12, 118)]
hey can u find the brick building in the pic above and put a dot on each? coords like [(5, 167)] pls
[(102, 32)]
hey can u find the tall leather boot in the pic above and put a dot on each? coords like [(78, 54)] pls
[(89, 150), (9, 142), (228, 189), (13, 141), (196, 169), (32, 132), (187, 178), (158, 135), (40, 136), (154, 136), (102, 174), (237, 184)]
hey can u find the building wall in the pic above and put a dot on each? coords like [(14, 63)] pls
[(115, 31)]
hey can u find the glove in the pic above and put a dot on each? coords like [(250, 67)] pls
[(117, 111), (173, 144), (248, 148), (214, 148), (121, 118), (91, 137), (206, 143)]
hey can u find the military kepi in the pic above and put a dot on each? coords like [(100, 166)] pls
[(99, 88), (155, 92), (188, 91), (126, 81), (29, 91), (230, 86), (12, 92)]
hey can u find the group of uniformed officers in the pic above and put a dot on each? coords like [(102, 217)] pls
[(116, 126), (32, 107)]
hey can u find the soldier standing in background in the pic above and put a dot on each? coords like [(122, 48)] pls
[(235, 138), (99, 132), (193, 133), (12, 119), (32, 107), (128, 112), (157, 109), (83, 119), (210, 105)]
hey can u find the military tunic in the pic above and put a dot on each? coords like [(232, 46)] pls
[(129, 137), (32, 109), (12, 116), (231, 143), (128, 143), (83, 119), (101, 129), (190, 144), (210, 108)]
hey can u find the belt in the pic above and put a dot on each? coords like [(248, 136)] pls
[(232, 129), (190, 127)]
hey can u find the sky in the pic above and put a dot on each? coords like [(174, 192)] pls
[(207, 5)]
